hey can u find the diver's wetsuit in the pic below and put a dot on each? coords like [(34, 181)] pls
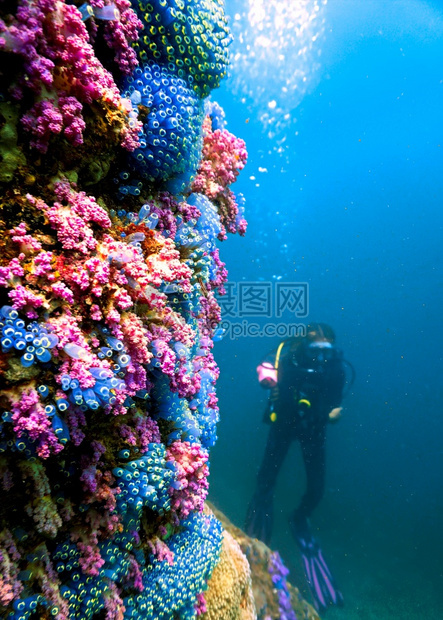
[(322, 387)]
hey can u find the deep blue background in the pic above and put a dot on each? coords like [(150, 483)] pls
[(359, 207)]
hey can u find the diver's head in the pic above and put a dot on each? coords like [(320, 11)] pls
[(317, 347), (319, 332)]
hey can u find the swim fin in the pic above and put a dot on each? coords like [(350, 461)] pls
[(320, 580), (259, 517)]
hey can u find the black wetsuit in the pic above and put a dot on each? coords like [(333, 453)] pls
[(321, 385)]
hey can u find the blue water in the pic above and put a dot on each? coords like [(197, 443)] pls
[(351, 203)]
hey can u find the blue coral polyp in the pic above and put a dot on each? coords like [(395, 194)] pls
[(170, 141)]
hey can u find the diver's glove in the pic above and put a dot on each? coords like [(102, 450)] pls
[(335, 414)]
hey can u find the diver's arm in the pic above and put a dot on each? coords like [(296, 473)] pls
[(338, 380)]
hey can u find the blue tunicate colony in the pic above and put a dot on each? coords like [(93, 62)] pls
[(169, 591), (102, 393), (170, 141), (207, 228), (144, 482), (192, 421), (189, 37), (33, 341), (196, 549), (183, 56), (169, 407), (207, 417)]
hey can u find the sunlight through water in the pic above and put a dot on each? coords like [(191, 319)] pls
[(275, 56)]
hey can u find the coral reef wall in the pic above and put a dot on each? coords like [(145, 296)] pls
[(115, 174)]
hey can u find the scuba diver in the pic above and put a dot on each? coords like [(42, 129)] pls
[(306, 377)]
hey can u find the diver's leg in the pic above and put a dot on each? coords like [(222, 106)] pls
[(314, 457), (320, 580), (277, 446), (259, 517)]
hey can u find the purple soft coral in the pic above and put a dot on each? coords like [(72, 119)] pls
[(279, 572)]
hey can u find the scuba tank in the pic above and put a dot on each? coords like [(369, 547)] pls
[(270, 414)]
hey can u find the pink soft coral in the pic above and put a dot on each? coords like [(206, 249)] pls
[(223, 157)]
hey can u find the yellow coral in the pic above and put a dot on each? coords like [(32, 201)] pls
[(229, 594)]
